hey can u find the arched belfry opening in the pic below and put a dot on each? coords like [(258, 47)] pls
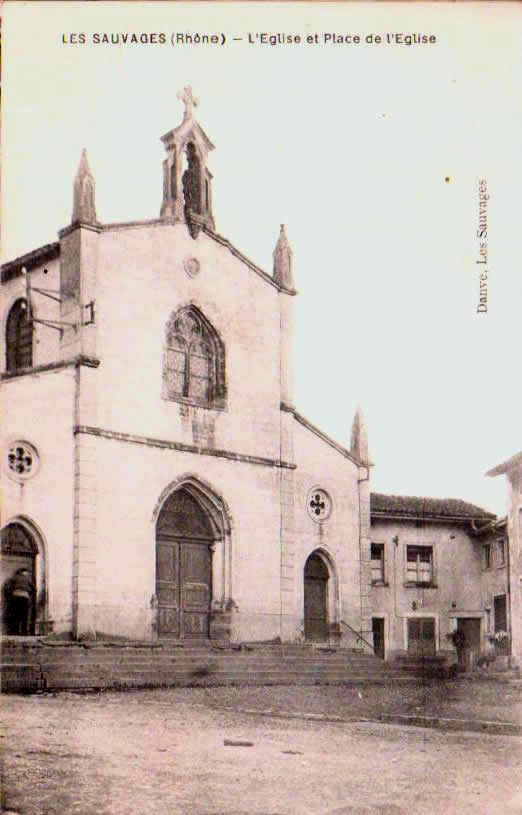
[(316, 598), (187, 182), (192, 182), (184, 542)]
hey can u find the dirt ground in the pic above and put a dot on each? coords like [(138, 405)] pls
[(175, 752), (461, 699)]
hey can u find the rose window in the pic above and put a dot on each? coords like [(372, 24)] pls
[(319, 504), (22, 460)]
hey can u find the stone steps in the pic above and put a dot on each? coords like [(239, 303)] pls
[(74, 666)]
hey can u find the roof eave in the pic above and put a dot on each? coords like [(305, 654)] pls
[(30, 260), (387, 515)]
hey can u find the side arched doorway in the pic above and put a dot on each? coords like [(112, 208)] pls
[(184, 541), (316, 576), (19, 551)]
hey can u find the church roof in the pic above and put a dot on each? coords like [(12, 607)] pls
[(313, 429), (31, 259), (416, 507), (184, 129)]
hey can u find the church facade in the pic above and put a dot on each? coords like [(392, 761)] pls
[(158, 479)]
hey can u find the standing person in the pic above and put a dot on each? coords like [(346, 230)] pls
[(460, 643), (19, 596)]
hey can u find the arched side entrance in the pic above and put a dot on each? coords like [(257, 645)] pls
[(184, 543), (316, 579), (19, 551)]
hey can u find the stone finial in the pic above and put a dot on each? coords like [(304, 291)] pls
[(84, 207), (189, 101), (283, 255), (359, 444)]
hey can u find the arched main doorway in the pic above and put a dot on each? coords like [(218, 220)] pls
[(19, 551), (316, 578), (184, 538)]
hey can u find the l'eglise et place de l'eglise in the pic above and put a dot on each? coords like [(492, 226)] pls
[(158, 479)]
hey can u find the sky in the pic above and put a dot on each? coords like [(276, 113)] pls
[(372, 154)]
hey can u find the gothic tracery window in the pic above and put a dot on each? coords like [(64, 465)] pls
[(194, 360), (19, 338)]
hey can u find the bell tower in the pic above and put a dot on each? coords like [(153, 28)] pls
[(187, 181)]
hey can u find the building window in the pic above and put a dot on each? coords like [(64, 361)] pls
[(419, 566), (501, 552), (486, 556), (22, 461), (19, 338), (377, 562), (319, 504), (194, 363)]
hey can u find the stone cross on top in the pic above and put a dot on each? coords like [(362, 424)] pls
[(189, 101)]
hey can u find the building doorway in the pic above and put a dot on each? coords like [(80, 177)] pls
[(183, 568), (19, 551), (421, 636), (316, 578), (378, 636), (469, 651), (500, 607), (501, 624)]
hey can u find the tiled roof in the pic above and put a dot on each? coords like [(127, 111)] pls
[(417, 507)]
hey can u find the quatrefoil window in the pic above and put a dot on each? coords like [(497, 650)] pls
[(22, 460), (319, 504)]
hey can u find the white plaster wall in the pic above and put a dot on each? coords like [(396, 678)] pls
[(39, 409), (320, 465), (141, 281), (130, 481)]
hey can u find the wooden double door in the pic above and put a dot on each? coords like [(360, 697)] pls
[(183, 569)]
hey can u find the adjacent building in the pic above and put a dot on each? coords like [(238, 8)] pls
[(437, 566), (512, 469)]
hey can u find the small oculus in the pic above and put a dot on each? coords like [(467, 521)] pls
[(191, 267), (21, 460)]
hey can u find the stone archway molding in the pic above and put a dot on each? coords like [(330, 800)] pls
[(43, 624), (223, 607), (333, 591)]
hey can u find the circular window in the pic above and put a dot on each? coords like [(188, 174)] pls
[(319, 504), (22, 460), (191, 266)]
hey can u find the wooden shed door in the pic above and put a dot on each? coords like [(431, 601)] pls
[(421, 636), (183, 568), (315, 599)]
